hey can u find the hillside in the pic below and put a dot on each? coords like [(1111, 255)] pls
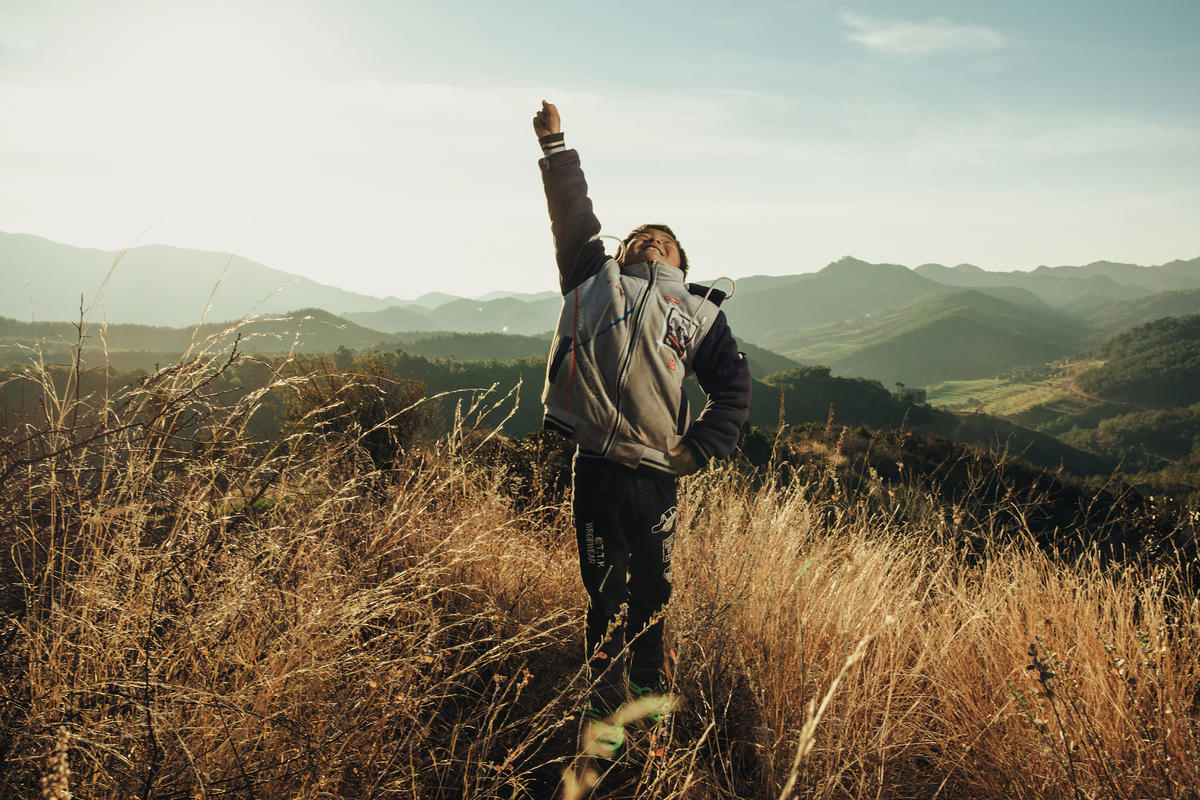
[(846, 288), (394, 319), (1109, 317), (962, 334), (808, 395), (310, 330), (764, 362), (952, 346), (142, 347), (474, 346), (1132, 400), (322, 618), (813, 394), (1156, 364), (504, 314)]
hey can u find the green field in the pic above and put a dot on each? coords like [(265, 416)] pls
[(1009, 397), (995, 396)]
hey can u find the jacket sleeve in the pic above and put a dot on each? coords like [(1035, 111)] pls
[(579, 253), (724, 375)]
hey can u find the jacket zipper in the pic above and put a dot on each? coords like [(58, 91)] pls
[(636, 329)]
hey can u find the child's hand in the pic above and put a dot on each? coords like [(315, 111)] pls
[(546, 121), (683, 460)]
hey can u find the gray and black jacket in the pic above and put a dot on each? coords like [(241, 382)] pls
[(626, 339)]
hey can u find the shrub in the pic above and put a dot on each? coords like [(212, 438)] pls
[(386, 415)]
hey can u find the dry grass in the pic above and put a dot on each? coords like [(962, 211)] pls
[(207, 617), (943, 702)]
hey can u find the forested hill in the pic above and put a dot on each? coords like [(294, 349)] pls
[(1156, 364), (128, 346), (1134, 399), (812, 394)]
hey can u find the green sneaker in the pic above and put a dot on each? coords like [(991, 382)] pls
[(653, 700), (604, 736)]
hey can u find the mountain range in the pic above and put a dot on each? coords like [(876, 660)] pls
[(883, 321)]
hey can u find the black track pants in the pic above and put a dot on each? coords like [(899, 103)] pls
[(625, 527)]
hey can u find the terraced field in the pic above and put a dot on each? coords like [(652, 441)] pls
[(1005, 397)]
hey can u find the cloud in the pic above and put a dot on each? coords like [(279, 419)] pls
[(916, 39), (1049, 139)]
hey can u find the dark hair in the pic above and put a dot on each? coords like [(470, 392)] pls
[(683, 262)]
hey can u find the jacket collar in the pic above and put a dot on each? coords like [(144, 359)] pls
[(660, 269)]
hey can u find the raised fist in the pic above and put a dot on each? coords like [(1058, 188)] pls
[(546, 121)]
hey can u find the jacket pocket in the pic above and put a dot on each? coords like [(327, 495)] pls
[(560, 352), (681, 418)]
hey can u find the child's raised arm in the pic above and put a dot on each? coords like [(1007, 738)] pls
[(580, 254)]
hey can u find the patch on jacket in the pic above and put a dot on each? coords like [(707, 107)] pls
[(681, 329)]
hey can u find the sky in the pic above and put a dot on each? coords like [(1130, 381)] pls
[(387, 148)]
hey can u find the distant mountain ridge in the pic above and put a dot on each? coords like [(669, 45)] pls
[(1061, 285), (168, 286), (885, 321), (1113, 316), (846, 288), (153, 284), (154, 281), (868, 319), (528, 315)]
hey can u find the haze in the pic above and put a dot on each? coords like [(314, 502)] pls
[(386, 147)]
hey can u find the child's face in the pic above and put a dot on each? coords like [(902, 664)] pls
[(652, 245)]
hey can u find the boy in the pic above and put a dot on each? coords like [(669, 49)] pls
[(629, 331)]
